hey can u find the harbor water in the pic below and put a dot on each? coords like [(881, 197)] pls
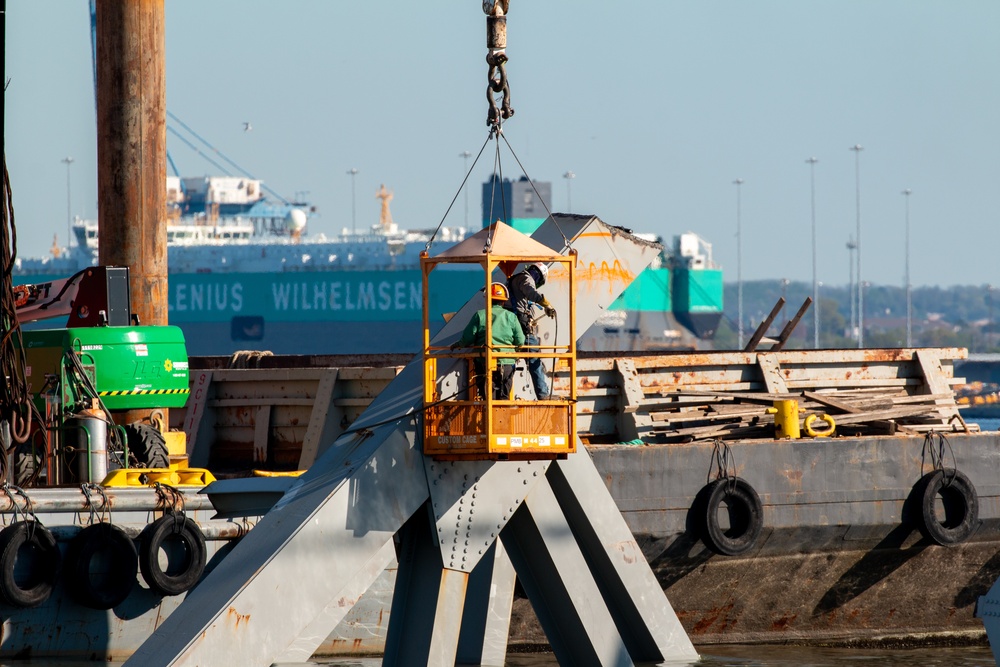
[(988, 424), (720, 656), (784, 656)]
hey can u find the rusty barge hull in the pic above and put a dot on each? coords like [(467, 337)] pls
[(839, 559)]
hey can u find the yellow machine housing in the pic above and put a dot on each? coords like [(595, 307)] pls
[(457, 427)]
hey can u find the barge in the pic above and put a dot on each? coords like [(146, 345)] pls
[(841, 556)]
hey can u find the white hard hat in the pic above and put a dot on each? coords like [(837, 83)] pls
[(542, 269)]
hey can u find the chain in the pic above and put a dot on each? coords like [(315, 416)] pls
[(497, 87)]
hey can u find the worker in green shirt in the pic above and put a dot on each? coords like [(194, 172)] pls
[(507, 335)]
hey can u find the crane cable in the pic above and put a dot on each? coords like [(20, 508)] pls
[(16, 406), (496, 41)]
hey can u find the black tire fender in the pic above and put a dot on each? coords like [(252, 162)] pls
[(746, 516), (178, 533), (32, 585), (961, 506), (105, 589)]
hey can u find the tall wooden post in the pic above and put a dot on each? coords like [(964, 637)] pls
[(131, 153), (131, 148)]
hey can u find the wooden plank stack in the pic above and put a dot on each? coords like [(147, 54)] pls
[(726, 395)]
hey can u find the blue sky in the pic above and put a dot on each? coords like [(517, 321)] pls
[(656, 106)]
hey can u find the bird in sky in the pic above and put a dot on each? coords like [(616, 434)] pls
[(247, 126)]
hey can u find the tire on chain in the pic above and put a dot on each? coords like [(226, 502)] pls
[(29, 563), (148, 445), (173, 534), (958, 500), (745, 512), (100, 544)]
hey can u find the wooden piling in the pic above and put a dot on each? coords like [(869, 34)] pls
[(131, 153), (131, 148)]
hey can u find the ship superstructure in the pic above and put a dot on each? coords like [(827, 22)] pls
[(246, 273)]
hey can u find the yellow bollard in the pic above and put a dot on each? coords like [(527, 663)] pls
[(786, 419)]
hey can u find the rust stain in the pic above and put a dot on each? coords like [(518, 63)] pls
[(708, 621), (238, 617), (794, 477), (783, 622), (848, 375), (627, 552)]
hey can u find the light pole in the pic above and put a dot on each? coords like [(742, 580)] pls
[(857, 148), (862, 287), (851, 247), (818, 286), (739, 263), (465, 155), (352, 172), (812, 190), (569, 176), (906, 277), (989, 304), (69, 207)]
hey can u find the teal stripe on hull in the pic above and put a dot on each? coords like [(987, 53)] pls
[(343, 296)]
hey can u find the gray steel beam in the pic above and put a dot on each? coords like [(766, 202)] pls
[(338, 519), (647, 623), (309, 639), (425, 617), (282, 576), (488, 603), (563, 593)]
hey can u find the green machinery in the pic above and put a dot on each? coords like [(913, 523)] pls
[(84, 378)]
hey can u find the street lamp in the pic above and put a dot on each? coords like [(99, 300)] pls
[(818, 286), (465, 155), (862, 288), (352, 172), (812, 189), (857, 148), (69, 208), (739, 263), (909, 302), (569, 176), (851, 247), (989, 303)]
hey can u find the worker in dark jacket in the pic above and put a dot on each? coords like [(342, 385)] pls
[(524, 298), (507, 336)]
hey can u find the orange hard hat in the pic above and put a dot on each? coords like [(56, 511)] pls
[(498, 291)]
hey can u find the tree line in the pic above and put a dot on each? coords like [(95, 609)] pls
[(958, 316)]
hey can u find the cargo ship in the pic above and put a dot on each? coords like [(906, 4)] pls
[(246, 274)]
